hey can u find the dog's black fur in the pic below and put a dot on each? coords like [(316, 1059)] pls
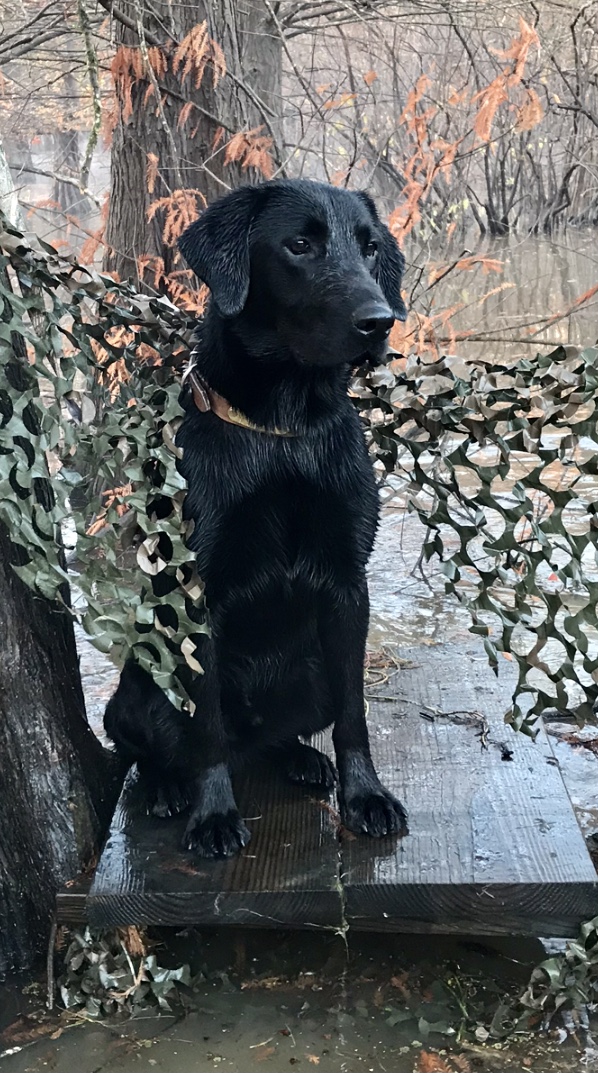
[(305, 283)]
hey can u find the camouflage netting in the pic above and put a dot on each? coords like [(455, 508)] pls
[(500, 464), (81, 393)]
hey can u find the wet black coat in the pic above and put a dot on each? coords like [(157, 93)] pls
[(305, 283)]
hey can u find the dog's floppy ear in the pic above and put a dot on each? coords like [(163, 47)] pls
[(217, 248), (391, 263)]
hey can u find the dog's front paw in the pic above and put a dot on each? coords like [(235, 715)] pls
[(217, 835), (376, 813)]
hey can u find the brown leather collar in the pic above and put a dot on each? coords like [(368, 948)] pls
[(206, 400)]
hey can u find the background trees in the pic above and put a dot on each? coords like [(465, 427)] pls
[(467, 121)]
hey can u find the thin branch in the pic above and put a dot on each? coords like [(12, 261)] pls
[(33, 43), (94, 80), (59, 178), (124, 20)]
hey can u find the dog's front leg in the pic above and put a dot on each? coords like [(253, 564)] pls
[(366, 806), (215, 827)]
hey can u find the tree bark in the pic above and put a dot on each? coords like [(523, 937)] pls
[(57, 786), (248, 96)]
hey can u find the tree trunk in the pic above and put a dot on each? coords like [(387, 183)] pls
[(57, 788), (189, 147), (67, 162)]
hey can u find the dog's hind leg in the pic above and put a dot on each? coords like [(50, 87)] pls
[(147, 729)]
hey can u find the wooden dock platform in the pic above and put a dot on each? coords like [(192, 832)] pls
[(494, 847)]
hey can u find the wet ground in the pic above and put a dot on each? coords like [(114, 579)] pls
[(296, 1000), (279, 1000)]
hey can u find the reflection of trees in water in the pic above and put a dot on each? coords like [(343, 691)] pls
[(544, 277)]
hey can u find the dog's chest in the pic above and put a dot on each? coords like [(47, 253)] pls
[(284, 516)]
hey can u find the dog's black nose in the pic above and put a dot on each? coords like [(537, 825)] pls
[(373, 320)]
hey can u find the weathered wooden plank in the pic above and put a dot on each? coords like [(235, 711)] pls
[(286, 877), (494, 846)]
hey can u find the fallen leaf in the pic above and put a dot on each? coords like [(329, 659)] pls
[(26, 1030), (400, 982), (134, 941), (431, 1063), (461, 1063), (265, 1053), (313, 1058)]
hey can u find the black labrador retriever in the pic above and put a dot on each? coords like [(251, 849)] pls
[(305, 283)]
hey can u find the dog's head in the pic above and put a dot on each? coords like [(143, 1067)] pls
[(303, 265)]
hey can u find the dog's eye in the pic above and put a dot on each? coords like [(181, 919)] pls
[(298, 246), (371, 249)]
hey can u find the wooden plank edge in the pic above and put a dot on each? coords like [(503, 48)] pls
[(551, 910), (273, 909)]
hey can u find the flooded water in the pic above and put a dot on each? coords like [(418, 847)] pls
[(295, 1000), (536, 283)]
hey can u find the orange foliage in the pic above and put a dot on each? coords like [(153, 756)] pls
[(530, 113), (126, 69), (158, 61), (119, 335), (152, 171), (433, 156), (192, 301), (338, 102), (429, 156), (369, 77), (251, 149), (338, 177), (184, 113), (155, 265), (180, 210), (431, 1063), (518, 50), (217, 139), (44, 203), (492, 96), (457, 97), (195, 52)]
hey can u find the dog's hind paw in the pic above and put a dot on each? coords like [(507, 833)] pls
[(218, 835), (309, 767), (376, 814), (166, 798)]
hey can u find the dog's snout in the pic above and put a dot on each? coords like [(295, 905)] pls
[(373, 320)]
